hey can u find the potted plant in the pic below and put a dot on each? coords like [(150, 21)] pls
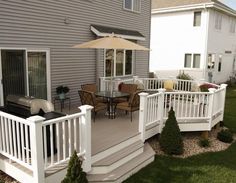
[(61, 91), (204, 87)]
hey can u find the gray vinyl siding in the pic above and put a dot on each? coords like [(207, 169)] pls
[(40, 24)]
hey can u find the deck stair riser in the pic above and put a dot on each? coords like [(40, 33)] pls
[(117, 159), (126, 170), (115, 148)]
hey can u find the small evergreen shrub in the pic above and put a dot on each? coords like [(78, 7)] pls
[(204, 143), (170, 139), (225, 136), (75, 172)]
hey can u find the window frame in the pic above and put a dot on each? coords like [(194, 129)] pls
[(114, 64), (194, 19), (192, 60), (232, 25), (132, 6), (218, 21), (219, 68)]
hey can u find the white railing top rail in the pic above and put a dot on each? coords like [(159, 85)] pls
[(63, 118), (15, 118)]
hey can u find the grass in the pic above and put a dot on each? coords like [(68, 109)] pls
[(214, 167)]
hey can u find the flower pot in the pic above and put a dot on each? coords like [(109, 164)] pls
[(62, 96)]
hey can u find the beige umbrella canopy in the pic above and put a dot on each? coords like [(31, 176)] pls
[(111, 42)]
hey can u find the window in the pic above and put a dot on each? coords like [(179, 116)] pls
[(188, 60), (220, 63), (132, 5), (192, 60), (232, 25), (197, 19), (211, 61), (196, 60), (218, 21), (119, 63)]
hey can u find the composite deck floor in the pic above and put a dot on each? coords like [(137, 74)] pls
[(109, 132)]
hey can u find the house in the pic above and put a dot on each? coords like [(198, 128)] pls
[(36, 40), (197, 37)]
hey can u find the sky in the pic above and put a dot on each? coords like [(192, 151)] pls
[(230, 3)]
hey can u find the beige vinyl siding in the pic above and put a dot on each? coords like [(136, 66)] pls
[(40, 24)]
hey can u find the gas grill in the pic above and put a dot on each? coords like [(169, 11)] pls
[(24, 107)]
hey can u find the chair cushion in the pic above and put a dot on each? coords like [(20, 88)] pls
[(100, 106), (169, 85)]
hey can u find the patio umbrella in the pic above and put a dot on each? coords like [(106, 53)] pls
[(111, 42)]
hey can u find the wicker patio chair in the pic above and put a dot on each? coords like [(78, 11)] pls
[(126, 88), (93, 88), (88, 98), (131, 105)]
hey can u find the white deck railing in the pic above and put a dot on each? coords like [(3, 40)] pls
[(40, 145), (188, 106), (15, 139)]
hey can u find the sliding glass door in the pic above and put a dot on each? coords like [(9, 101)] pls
[(37, 74), (24, 73), (13, 72)]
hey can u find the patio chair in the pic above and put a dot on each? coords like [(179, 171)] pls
[(131, 105), (92, 88), (88, 98), (126, 88)]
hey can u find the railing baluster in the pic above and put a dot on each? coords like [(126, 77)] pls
[(45, 146), (51, 144), (58, 142), (27, 144)]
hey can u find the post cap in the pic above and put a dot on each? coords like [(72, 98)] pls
[(143, 94), (36, 119), (85, 107)]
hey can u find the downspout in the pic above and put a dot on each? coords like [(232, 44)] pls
[(204, 75)]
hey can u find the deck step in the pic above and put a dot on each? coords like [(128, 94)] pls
[(117, 147), (117, 159), (126, 170)]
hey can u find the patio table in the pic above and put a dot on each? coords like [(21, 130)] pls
[(110, 96)]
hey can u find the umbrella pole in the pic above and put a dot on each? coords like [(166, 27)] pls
[(112, 71)]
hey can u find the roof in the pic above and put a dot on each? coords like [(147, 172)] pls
[(163, 4), (100, 30)]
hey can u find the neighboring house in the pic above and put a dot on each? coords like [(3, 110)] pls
[(36, 40), (197, 37)]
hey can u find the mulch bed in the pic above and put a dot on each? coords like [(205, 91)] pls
[(191, 147)]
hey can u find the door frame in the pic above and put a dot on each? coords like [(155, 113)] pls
[(48, 69)]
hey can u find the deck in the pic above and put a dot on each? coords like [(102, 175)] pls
[(109, 132)]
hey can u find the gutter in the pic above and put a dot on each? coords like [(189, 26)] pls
[(194, 7)]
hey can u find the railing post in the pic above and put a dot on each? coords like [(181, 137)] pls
[(161, 107), (102, 84), (36, 144), (86, 133), (223, 99), (143, 115), (211, 105)]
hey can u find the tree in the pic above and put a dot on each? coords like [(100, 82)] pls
[(170, 139), (75, 172)]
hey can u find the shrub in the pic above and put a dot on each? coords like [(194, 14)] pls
[(170, 139), (204, 143), (184, 76), (75, 172), (225, 136)]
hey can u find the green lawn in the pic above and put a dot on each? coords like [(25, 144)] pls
[(216, 167)]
